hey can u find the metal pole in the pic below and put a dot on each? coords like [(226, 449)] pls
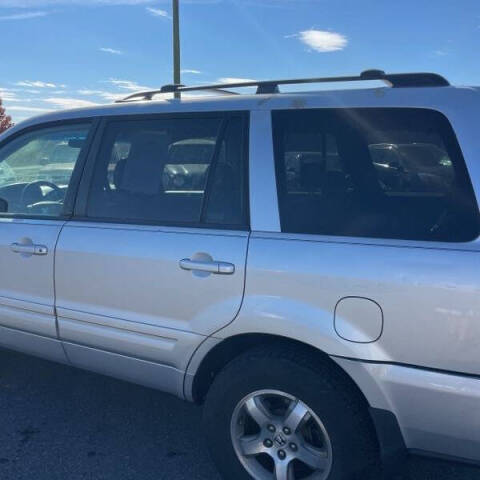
[(176, 45)]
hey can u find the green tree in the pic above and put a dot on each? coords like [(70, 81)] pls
[(5, 120)]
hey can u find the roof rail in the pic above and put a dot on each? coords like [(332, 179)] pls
[(394, 80), (149, 94)]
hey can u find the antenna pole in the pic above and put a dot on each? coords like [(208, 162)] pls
[(176, 45)]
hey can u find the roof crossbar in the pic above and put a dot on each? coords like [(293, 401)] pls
[(395, 80)]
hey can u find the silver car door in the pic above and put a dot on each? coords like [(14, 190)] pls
[(156, 262), (35, 175)]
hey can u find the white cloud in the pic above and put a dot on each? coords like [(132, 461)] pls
[(23, 16), (123, 87), (441, 53), (158, 12), (16, 94), (192, 71), (69, 102), (127, 85), (87, 92), (235, 80), (21, 108), (110, 96), (111, 50), (8, 94), (8, 97), (322, 41), (38, 84)]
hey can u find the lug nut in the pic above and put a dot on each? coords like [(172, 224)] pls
[(286, 431), (268, 443), (293, 447), (281, 454), (271, 428)]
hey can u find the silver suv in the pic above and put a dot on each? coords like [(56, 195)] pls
[(304, 264)]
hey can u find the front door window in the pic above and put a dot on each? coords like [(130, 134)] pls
[(36, 168)]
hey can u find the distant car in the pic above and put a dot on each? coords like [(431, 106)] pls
[(306, 265), (188, 164), (415, 166)]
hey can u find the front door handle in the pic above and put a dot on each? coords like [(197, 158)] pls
[(221, 268), (29, 249)]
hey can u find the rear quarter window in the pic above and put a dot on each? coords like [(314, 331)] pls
[(380, 173)]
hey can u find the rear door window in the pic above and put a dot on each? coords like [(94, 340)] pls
[(384, 173), (185, 171)]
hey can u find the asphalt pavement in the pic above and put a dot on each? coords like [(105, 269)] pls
[(61, 423)]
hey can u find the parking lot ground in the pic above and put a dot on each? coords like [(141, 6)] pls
[(61, 423)]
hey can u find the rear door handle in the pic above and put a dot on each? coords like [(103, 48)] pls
[(29, 249), (221, 268)]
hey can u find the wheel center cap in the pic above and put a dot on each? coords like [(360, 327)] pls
[(280, 440)]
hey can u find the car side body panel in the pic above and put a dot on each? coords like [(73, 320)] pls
[(430, 298)]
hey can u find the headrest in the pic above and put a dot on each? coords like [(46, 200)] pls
[(335, 181), (311, 175), (144, 166)]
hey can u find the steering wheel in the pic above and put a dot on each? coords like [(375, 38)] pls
[(32, 192)]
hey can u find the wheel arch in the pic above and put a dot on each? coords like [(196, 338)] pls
[(215, 357)]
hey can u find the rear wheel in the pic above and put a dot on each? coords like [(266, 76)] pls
[(279, 414), (274, 432)]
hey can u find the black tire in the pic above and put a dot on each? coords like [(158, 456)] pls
[(315, 381)]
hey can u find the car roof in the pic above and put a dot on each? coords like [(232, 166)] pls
[(420, 97)]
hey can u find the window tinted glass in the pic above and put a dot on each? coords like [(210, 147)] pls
[(36, 168), (170, 171), (386, 173), (228, 197)]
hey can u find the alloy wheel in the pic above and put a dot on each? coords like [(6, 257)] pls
[(278, 437)]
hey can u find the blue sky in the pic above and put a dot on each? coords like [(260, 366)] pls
[(67, 53)]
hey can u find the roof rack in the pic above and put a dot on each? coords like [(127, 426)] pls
[(394, 80), (149, 94)]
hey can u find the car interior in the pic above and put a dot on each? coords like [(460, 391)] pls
[(34, 181), (162, 176)]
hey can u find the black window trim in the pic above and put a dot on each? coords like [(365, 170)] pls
[(213, 168), (452, 144), (67, 210), (83, 193)]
